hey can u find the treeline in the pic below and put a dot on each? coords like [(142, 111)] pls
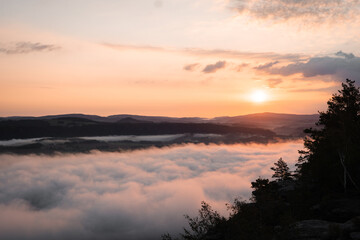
[(79, 127), (319, 200)]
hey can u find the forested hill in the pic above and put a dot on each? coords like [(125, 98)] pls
[(281, 124), (78, 127)]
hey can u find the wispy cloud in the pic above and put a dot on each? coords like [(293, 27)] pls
[(27, 47), (345, 55), (191, 67), (240, 67), (273, 82), (221, 53), (307, 10), (134, 47), (326, 89), (134, 195), (266, 65), (239, 54), (211, 68)]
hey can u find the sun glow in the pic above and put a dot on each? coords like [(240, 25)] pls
[(258, 96)]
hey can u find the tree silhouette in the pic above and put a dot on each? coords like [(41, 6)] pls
[(331, 155), (281, 170), (261, 187), (202, 224)]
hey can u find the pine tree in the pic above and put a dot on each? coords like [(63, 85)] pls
[(281, 170), (331, 155)]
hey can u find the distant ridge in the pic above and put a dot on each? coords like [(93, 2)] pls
[(280, 123), (222, 119), (113, 118)]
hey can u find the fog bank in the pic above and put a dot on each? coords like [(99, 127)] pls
[(131, 195)]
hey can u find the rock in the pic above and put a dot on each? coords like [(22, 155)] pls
[(311, 229), (318, 230), (353, 225), (355, 235), (340, 210)]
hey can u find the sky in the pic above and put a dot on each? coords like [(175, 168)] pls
[(178, 58)]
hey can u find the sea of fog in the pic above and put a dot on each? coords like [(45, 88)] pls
[(132, 138), (130, 195)]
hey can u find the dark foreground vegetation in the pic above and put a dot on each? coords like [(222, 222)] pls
[(320, 200)]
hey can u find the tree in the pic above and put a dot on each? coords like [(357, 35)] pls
[(281, 170), (201, 225), (332, 150), (264, 190), (261, 188)]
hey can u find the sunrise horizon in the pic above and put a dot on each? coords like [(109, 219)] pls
[(224, 58), (179, 119), (158, 115)]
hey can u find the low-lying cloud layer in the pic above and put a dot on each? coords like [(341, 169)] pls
[(294, 9), (134, 195)]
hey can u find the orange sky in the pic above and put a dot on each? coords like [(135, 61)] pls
[(171, 57)]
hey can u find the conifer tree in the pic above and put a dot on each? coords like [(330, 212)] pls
[(331, 158), (281, 170)]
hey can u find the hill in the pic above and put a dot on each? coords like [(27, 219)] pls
[(281, 124)]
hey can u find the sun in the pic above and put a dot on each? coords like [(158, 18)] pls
[(258, 96)]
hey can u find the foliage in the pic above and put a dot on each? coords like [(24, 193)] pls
[(200, 225), (281, 170), (261, 189), (331, 156)]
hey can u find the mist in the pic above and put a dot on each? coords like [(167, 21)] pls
[(129, 195)]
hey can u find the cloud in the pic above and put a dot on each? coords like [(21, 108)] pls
[(123, 47), (240, 67), (338, 68), (307, 10), (266, 65), (273, 82), (129, 195), (27, 47), (239, 54), (158, 3), (211, 68), (191, 67), (346, 55), (222, 53), (327, 89)]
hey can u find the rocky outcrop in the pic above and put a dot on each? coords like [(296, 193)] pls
[(315, 229), (340, 209), (310, 229)]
